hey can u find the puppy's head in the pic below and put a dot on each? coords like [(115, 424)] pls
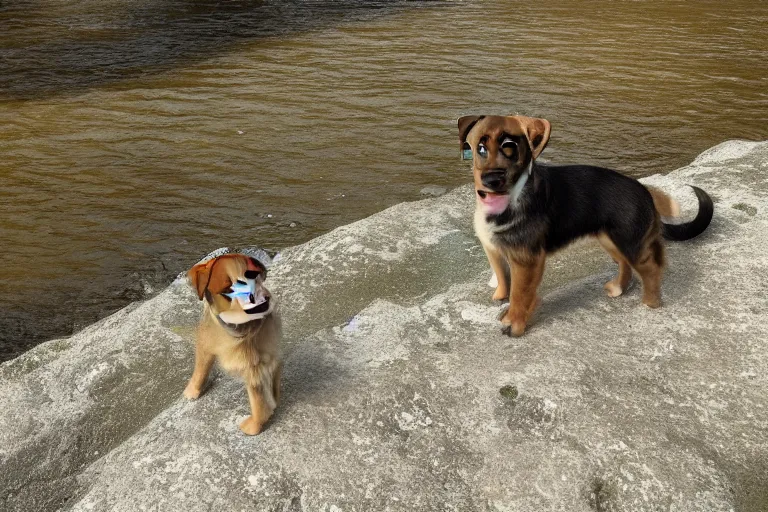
[(502, 149), (233, 286)]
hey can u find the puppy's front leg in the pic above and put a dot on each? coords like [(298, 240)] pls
[(203, 363), (260, 412), (526, 277), (499, 267)]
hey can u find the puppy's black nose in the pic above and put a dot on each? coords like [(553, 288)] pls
[(495, 180)]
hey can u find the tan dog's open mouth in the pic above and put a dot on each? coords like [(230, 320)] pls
[(243, 315), (262, 307), (248, 300)]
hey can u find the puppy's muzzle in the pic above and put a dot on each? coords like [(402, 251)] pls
[(495, 181)]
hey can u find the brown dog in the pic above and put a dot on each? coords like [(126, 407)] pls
[(240, 328), (526, 210)]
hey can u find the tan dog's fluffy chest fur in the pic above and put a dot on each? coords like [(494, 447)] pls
[(246, 356), (249, 351)]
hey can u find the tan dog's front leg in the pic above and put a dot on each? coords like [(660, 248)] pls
[(526, 277), (499, 267), (260, 412), (203, 364)]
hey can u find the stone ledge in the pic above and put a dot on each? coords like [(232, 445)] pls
[(400, 393)]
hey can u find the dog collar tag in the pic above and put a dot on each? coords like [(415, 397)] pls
[(466, 152)]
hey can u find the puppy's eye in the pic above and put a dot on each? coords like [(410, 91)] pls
[(509, 148), (482, 150)]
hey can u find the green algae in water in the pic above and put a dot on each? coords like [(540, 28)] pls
[(509, 392), (748, 209)]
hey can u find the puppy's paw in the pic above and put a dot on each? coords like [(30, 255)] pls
[(250, 426), (515, 330), (501, 294), (652, 302), (191, 392), (613, 289), (512, 323)]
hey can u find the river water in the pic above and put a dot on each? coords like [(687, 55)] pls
[(137, 135)]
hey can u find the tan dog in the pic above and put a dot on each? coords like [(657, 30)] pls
[(240, 328), (527, 210)]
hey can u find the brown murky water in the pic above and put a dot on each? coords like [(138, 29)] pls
[(136, 135)]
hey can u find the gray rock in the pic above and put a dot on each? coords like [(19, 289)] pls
[(400, 393), (433, 190)]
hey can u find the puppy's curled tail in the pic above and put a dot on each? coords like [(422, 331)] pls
[(668, 207)]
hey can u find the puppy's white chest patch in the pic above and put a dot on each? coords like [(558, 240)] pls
[(483, 228)]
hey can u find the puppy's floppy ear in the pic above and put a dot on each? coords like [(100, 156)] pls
[(198, 277), (466, 123), (537, 130)]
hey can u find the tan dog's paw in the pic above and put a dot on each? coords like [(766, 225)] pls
[(613, 289), (191, 392), (250, 427)]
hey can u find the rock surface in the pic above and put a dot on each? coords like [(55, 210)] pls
[(400, 393)]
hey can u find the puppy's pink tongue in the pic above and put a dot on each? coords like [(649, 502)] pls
[(494, 204)]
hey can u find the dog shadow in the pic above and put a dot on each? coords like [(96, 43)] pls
[(311, 374), (588, 295)]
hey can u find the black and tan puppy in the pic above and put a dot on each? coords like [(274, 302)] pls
[(526, 210), (241, 329)]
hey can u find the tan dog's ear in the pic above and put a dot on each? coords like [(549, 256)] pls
[(254, 264), (465, 125), (537, 130), (198, 277)]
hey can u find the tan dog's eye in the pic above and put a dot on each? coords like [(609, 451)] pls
[(482, 150), (509, 148)]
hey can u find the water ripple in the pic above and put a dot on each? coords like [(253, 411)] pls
[(136, 136)]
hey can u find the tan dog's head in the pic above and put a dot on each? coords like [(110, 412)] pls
[(503, 149), (233, 286)]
